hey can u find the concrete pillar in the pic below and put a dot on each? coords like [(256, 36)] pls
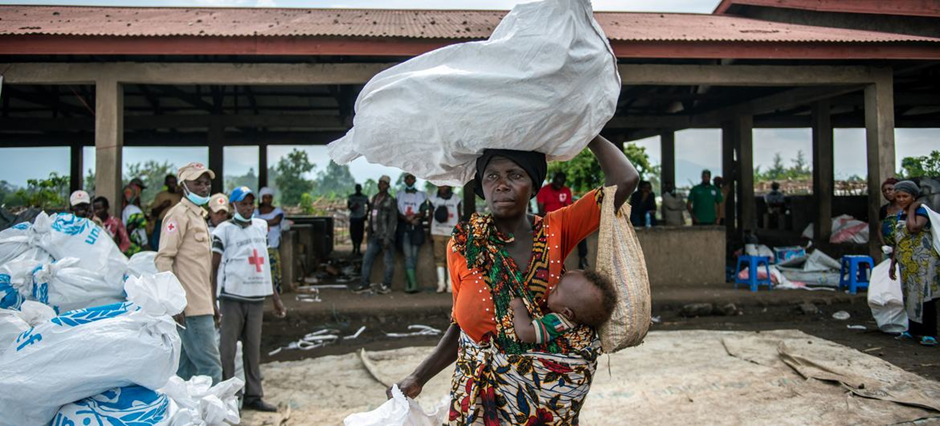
[(879, 126), (109, 141), (76, 174), (667, 145), (823, 174), (744, 147), (728, 168), (262, 165), (469, 200), (216, 141)]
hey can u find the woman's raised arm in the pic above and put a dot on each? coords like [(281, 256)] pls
[(618, 170), (444, 354)]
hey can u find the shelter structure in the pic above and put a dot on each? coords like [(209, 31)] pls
[(216, 77)]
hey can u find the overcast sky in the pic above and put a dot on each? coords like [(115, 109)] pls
[(695, 149)]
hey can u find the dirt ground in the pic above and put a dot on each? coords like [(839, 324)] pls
[(345, 312)]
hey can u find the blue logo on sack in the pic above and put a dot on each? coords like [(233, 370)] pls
[(27, 338), (9, 297), (127, 406), (22, 226), (84, 316), (69, 224)]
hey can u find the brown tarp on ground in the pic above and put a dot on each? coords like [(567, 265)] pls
[(689, 377)]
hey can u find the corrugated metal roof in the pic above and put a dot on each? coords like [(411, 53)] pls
[(430, 24)]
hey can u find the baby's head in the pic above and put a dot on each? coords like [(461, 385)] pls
[(585, 297)]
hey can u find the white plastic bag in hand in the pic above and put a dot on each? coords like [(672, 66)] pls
[(400, 411), (886, 300), (200, 403), (129, 405), (85, 352), (65, 235), (65, 286), (546, 80)]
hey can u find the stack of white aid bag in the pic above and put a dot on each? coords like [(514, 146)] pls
[(65, 235), (85, 352), (61, 284), (546, 80), (19, 242)]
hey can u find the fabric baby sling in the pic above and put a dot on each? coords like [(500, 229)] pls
[(620, 259)]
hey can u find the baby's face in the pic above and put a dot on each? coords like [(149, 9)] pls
[(571, 286)]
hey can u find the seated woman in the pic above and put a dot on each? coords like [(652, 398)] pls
[(495, 258)]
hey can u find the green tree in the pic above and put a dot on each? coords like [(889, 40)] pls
[(152, 174), (800, 169), (370, 187), (584, 172), (928, 165), (290, 177), (249, 179), (335, 181), (49, 193), (777, 170), (7, 192)]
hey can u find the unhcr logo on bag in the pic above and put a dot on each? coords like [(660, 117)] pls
[(69, 224)]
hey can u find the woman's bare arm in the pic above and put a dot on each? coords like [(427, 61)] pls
[(444, 354), (616, 167)]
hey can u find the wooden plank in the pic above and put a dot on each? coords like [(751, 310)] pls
[(109, 141), (744, 144), (879, 134), (667, 144), (823, 170), (191, 73), (743, 75)]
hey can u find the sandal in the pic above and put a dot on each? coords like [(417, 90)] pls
[(903, 336), (928, 341)]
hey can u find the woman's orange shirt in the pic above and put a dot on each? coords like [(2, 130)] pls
[(474, 310)]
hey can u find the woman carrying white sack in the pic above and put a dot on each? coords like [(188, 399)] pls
[(540, 89)]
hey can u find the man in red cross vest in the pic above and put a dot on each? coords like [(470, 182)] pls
[(242, 274)]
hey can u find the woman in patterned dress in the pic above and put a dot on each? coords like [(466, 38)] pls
[(919, 263), (509, 253)]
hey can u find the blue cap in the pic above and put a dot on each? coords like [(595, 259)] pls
[(239, 194)]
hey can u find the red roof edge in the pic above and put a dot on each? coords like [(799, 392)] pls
[(923, 8)]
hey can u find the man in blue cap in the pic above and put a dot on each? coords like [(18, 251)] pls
[(241, 273)]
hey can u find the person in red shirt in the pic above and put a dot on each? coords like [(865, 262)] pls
[(555, 196)]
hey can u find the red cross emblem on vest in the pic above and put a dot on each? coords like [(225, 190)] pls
[(256, 260)]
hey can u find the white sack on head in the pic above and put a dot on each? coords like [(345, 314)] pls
[(546, 80), (85, 352)]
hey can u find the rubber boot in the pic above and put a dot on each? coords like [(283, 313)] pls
[(441, 282), (412, 285)]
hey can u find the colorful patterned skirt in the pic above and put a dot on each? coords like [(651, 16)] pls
[(275, 256), (536, 388)]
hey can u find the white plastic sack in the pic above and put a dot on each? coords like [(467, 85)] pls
[(886, 300), (847, 229), (19, 242), (129, 405), (401, 411), (546, 80), (65, 235), (934, 218), (201, 404), (14, 276), (85, 352), (142, 263), (13, 322), (65, 286)]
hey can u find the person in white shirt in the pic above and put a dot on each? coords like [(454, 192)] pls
[(411, 204), (241, 275), (673, 206), (445, 213)]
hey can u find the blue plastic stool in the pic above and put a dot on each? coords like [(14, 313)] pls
[(752, 263), (852, 267)]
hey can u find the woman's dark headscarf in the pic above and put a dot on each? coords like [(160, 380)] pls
[(533, 163), (908, 187)]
